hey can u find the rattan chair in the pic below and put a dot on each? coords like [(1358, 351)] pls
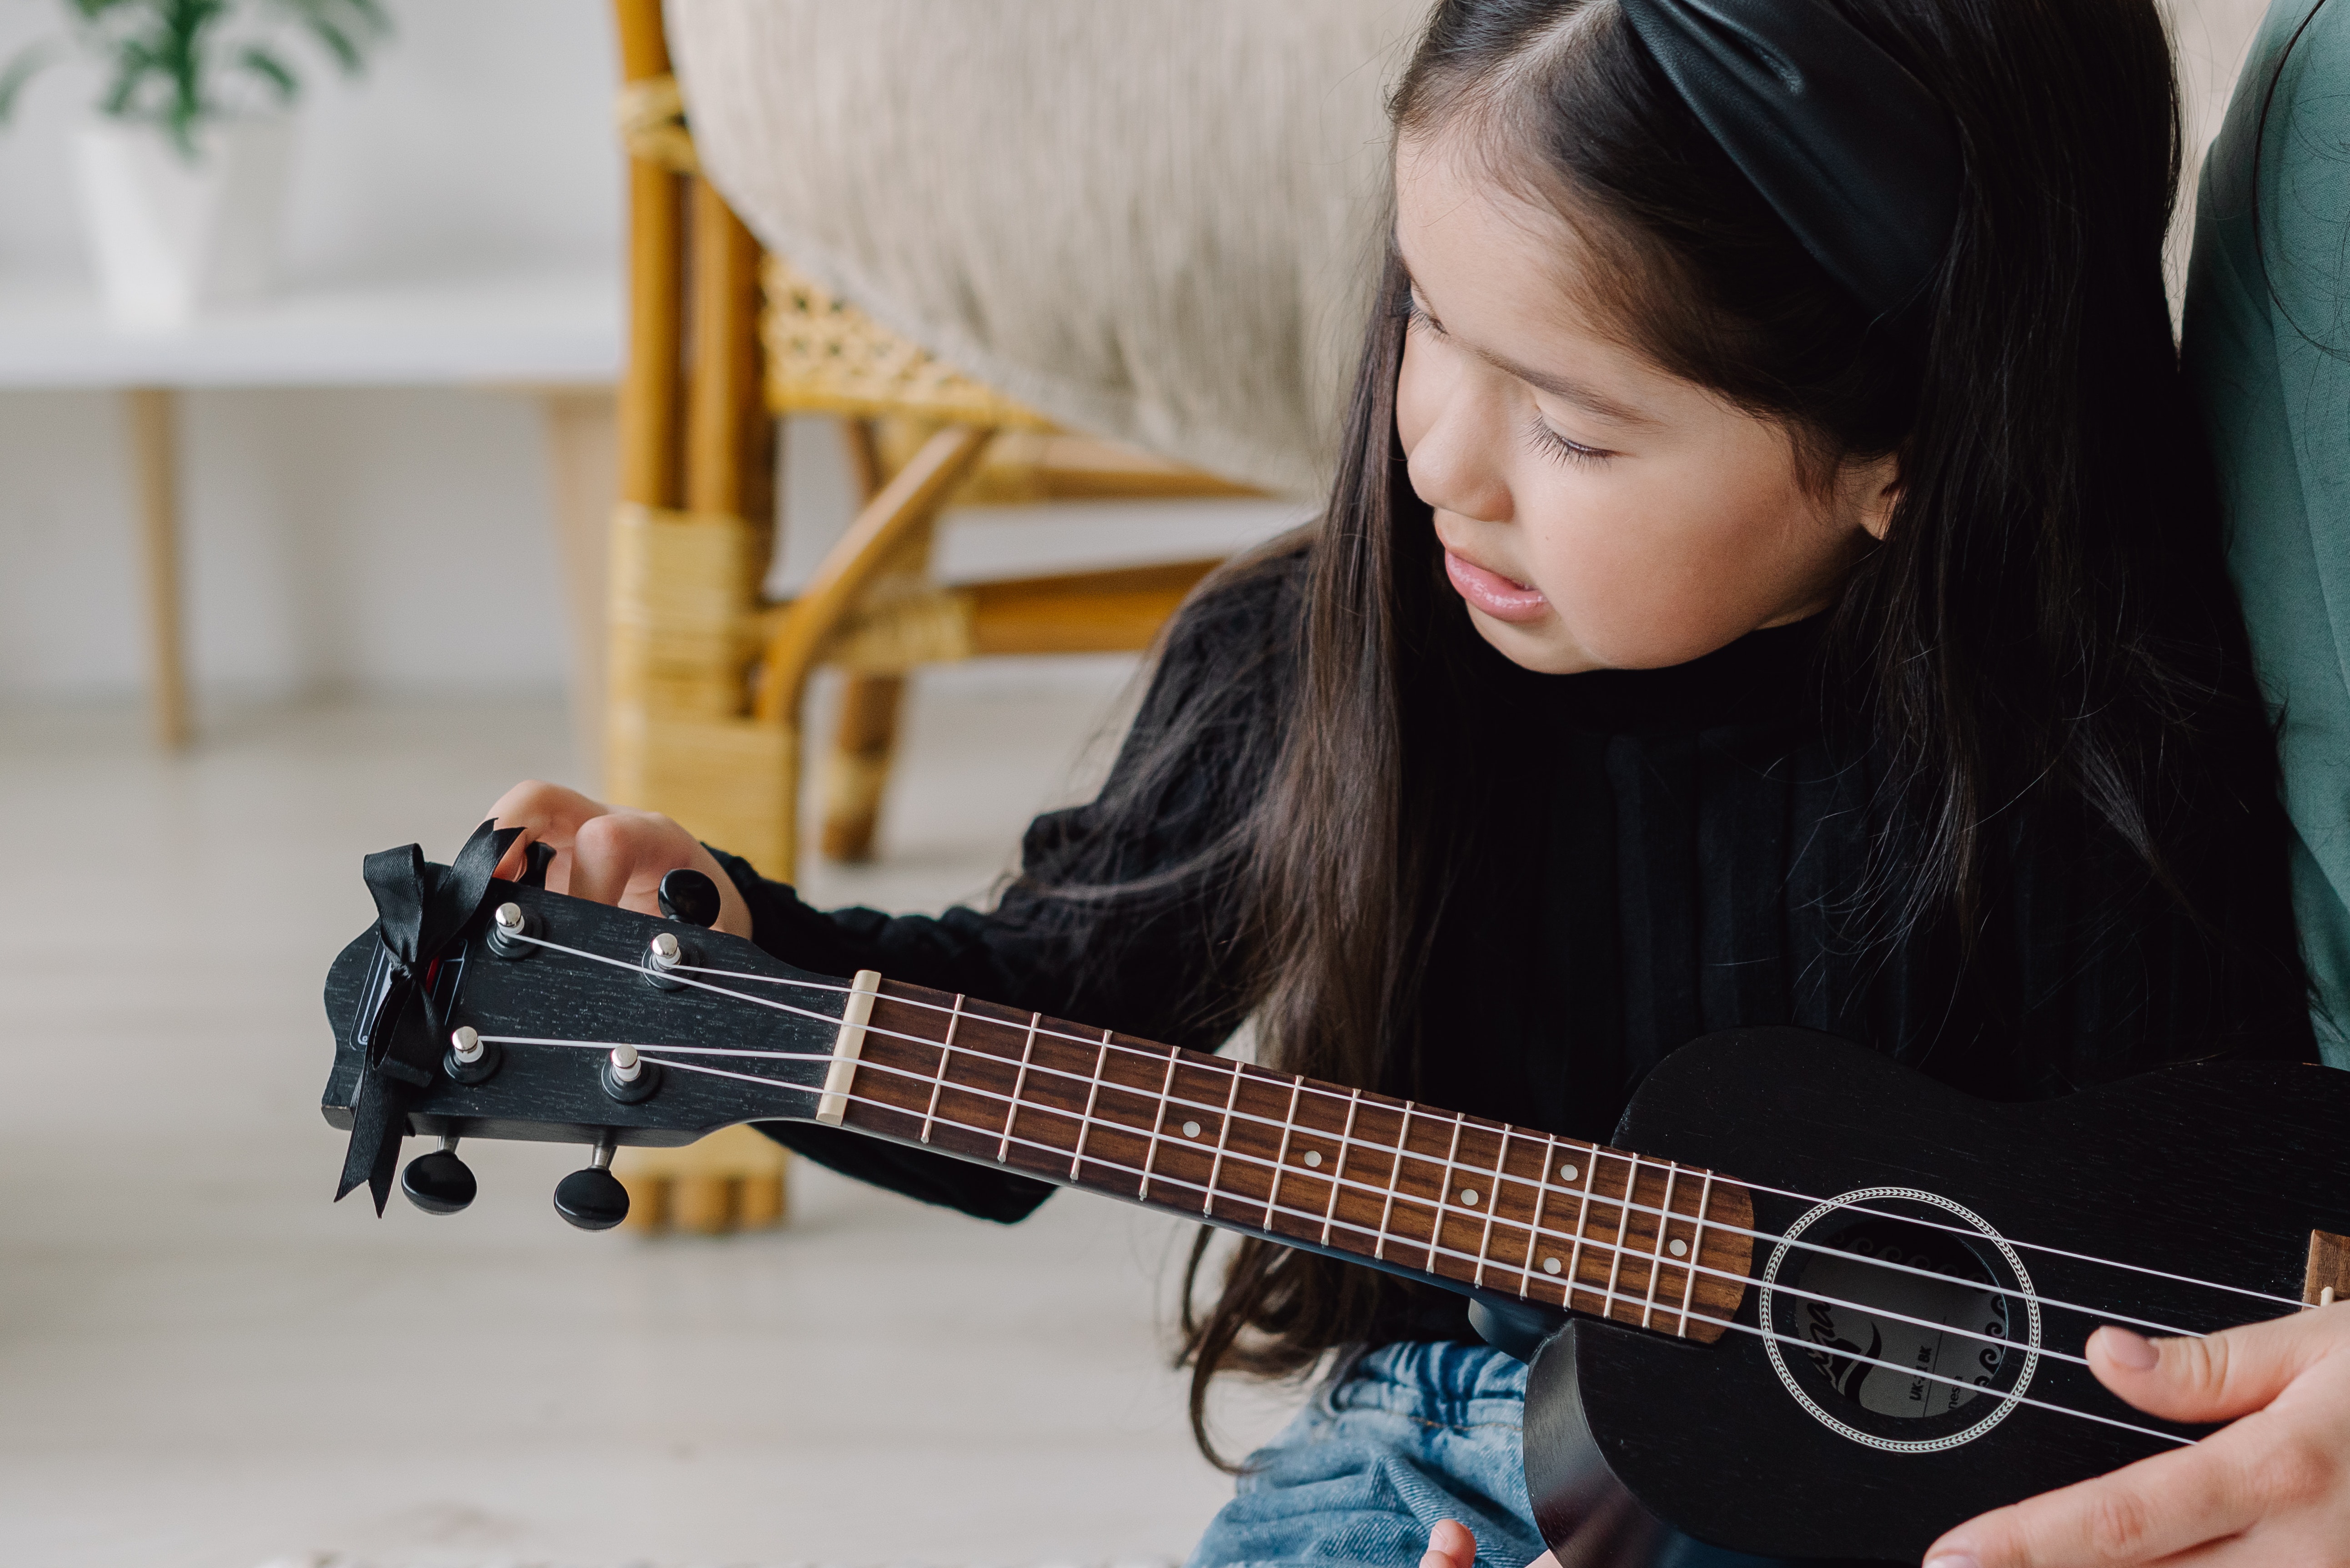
[(707, 679)]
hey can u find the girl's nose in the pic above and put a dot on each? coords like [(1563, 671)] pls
[(1455, 465)]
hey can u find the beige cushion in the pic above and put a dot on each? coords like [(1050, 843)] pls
[(1154, 220)]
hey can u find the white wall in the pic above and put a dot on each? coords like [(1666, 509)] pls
[(392, 539), (371, 539)]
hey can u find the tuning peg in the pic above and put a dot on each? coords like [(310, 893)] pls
[(593, 1198), (537, 855), (439, 1182), (688, 895)]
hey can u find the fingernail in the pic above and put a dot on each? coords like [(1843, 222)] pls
[(2134, 1351), (1959, 1560)]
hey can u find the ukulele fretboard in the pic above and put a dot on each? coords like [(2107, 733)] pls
[(1596, 1229)]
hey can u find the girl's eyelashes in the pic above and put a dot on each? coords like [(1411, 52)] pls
[(1549, 442)]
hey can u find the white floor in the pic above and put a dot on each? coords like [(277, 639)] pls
[(206, 1364)]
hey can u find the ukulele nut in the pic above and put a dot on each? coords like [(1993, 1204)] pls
[(628, 1077), (509, 923), (470, 1058)]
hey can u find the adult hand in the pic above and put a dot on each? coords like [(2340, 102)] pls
[(610, 854), (2272, 1490)]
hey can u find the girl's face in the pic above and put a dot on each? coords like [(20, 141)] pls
[(1595, 512)]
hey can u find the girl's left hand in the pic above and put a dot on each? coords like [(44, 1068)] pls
[(2272, 1490)]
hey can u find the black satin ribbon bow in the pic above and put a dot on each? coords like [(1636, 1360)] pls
[(1851, 150), (420, 907)]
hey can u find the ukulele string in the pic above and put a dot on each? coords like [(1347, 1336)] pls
[(1627, 1203), (1324, 1093), (1438, 1211), (1438, 1207), (1605, 1292)]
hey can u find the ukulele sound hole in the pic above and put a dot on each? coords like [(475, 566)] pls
[(1876, 1311)]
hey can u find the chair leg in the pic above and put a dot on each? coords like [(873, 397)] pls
[(856, 769)]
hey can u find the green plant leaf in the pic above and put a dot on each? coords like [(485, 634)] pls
[(259, 61), (26, 64), (337, 43)]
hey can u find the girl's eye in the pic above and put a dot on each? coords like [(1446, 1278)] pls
[(1550, 442), (1416, 317)]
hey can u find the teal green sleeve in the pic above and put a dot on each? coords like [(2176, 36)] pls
[(2268, 343)]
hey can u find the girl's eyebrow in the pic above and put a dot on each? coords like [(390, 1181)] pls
[(1589, 398)]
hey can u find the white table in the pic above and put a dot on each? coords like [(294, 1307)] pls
[(554, 335)]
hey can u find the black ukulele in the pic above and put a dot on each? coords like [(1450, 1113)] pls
[(1812, 1305)]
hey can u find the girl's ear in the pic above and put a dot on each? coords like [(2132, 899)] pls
[(1875, 489)]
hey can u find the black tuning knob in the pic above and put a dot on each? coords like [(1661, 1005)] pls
[(593, 1198), (439, 1182), (537, 857), (687, 895)]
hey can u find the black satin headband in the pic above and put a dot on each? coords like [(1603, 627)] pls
[(1851, 151)]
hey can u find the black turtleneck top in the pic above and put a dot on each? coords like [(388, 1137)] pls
[(1669, 853)]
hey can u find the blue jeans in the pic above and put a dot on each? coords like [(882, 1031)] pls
[(1412, 1434)]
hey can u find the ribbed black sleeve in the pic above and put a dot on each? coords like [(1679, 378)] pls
[(1148, 963)]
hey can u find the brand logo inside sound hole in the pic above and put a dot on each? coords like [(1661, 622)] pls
[(1877, 1312), (1900, 1319)]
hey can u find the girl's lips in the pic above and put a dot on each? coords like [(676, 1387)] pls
[(1494, 594)]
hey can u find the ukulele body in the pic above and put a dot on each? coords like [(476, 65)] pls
[(2218, 1171)]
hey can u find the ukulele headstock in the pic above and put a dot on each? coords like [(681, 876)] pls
[(562, 1021)]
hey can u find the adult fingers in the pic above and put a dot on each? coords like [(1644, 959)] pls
[(2142, 1513), (2218, 1378)]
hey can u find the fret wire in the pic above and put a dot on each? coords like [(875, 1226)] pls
[(1354, 1104), (1439, 1209), (1582, 1226), (1223, 1131), (946, 1051), (1445, 1187), (1533, 1227), (1280, 1161), (1158, 1125), (1329, 1092), (1697, 1251), (1004, 1151), (1086, 1123), (1656, 1252), (1623, 1233), (1493, 1205), (1403, 1137)]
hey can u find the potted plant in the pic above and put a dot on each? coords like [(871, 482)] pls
[(182, 169)]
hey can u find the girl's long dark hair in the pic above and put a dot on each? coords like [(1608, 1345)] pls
[(2048, 616)]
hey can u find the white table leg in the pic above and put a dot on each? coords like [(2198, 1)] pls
[(150, 412)]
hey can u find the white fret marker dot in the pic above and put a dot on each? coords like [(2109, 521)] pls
[(1677, 1247), (1313, 1157), (1468, 1196), (1190, 1129), (1568, 1173), (1550, 1265)]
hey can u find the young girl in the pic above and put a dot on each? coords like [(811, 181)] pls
[(1773, 577)]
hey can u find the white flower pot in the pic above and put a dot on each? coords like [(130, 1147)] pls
[(170, 237)]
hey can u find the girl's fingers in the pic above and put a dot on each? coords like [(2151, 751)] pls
[(547, 814), (2228, 1374), (1450, 1545)]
